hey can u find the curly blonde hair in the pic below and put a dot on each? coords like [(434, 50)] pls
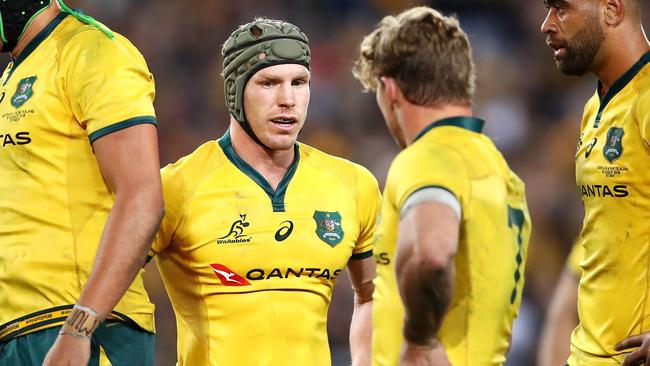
[(428, 55)]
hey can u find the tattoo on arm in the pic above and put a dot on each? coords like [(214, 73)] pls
[(426, 300)]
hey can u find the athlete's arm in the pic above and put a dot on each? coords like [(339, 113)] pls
[(426, 245), (561, 319), (362, 272), (128, 160)]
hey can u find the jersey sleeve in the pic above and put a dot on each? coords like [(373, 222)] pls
[(367, 209), (437, 167), (107, 82), (174, 198), (642, 112), (575, 256)]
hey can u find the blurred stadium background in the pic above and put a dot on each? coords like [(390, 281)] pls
[(532, 113)]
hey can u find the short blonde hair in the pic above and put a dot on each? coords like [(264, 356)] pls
[(428, 55)]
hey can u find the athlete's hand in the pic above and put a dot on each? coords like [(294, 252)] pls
[(640, 356), (415, 355), (68, 351)]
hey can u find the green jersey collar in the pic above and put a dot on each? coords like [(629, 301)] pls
[(469, 123), (276, 196), (619, 85), (38, 39)]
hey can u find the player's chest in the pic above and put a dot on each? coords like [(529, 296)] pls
[(236, 222), (33, 111), (611, 158)]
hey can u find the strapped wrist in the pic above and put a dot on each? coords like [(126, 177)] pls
[(81, 322)]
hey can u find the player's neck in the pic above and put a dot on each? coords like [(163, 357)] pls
[(416, 118), (271, 164), (36, 26), (621, 51)]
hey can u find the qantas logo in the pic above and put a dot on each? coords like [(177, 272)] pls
[(603, 190), (227, 276)]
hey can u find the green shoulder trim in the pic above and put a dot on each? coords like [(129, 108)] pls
[(122, 125), (276, 196), (34, 43), (469, 123), (363, 255), (86, 19), (619, 85)]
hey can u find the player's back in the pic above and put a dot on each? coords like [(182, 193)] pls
[(494, 232)]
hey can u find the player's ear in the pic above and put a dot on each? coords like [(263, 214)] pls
[(614, 12), (390, 88)]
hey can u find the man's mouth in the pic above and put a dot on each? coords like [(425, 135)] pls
[(284, 121), (559, 50)]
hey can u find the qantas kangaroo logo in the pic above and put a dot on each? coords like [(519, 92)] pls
[(227, 276)]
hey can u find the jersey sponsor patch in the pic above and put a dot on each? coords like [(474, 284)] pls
[(227, 276), (328, 227)]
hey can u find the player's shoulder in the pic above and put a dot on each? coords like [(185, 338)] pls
[(74, 36), (430, 152), (192, 168), (338, 167)]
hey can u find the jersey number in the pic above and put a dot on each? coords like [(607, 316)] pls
[(516, 218)]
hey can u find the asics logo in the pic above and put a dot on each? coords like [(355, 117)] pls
[(286, 227), (591, 146), (227, 276)]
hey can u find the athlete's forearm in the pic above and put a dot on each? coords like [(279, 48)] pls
[(123, 247), (361, 332), (426, 291), (561, 319)]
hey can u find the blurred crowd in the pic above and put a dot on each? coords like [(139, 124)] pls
[(532, 113)]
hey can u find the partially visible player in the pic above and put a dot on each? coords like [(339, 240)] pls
[(562, 314), (454, 221), (259, 227), (81, 195), (606, 38)]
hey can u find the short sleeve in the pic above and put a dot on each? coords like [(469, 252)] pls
[(434, 167), (174, 198), (575, 256), (107, 82), (369, 203)]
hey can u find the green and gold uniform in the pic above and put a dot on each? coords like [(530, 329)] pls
[(250, 269), (453, 155), (70, 86), (613, 178)]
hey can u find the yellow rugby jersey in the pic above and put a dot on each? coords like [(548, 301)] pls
[(495, 227), (250, 270), (71, 85), (613, 178)]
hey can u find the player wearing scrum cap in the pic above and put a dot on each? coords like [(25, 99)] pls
[(258, 227)]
